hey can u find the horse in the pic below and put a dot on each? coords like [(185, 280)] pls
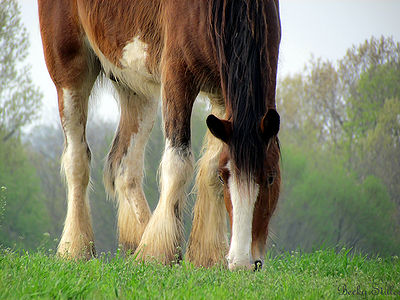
[(171, 50)]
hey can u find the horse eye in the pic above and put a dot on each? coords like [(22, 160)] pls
[(271, 180), (220, 179)]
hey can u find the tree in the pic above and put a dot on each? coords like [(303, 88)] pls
[(373, 125), (312, 105), (335, 103), (346, 117), (372, 53), (45, 144), (291, 98), (19, 98), (368, 75), (381, 148), (25, 215), (3, 190), (324, 205), (326, 101)]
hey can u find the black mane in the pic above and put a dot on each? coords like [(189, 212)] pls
[(239, 32)]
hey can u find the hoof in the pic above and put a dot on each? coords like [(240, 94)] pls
[(258, 265), (76, 252)]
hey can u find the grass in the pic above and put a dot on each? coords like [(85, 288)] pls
[(322, 274)]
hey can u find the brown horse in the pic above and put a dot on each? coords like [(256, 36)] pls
[(173, 50)]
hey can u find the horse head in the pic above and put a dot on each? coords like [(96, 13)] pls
[(250, 199)]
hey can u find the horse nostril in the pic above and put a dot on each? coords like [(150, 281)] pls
[(258, 265)]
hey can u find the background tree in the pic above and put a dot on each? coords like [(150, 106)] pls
[(322, 205), (381, 149), (25, 216), (3, 191), (365, 72), (373, 117), (345, 119), (19, 98)]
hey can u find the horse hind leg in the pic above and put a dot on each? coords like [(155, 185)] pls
[(123, 175), (208, 243)]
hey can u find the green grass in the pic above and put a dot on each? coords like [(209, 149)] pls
[(317, 275)]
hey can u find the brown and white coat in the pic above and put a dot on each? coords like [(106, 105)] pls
[(173, 50)]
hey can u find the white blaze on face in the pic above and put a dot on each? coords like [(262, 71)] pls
[(243, 197)]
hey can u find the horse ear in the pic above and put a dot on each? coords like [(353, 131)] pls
[(221, 129), (270, 124)]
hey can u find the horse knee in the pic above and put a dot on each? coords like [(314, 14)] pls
[(176, 172)]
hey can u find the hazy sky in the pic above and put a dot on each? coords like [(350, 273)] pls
[(324, 28)]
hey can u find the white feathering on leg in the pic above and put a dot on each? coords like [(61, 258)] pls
[(164, 232)]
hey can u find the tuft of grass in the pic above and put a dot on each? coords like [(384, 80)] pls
[(322, 274)]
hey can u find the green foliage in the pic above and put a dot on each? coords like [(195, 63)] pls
[(377, 85), (44, 147), (375, 126), (25, 215), (325, 205), (311, 106), (318, 275), (3, 191), (360, 58), (381, 155), (341, 130), (19, 98)]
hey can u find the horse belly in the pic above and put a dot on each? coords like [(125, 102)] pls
[(132, 69)]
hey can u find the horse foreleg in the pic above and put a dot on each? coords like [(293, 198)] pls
[(163, 236), (208, 243)]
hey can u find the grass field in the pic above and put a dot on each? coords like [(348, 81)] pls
[(322, 274)]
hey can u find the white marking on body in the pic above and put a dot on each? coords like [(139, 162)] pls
[(243, 197), (134, 55), (134, 72)]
